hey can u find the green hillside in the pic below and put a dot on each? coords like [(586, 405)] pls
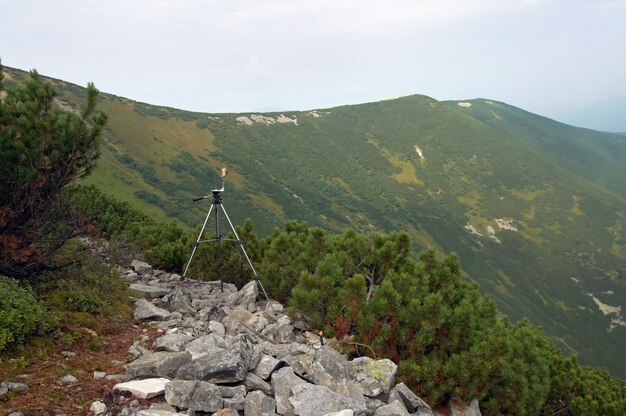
[(543, 236), (595, 156)]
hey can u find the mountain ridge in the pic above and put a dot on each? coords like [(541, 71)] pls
[(544, 237)]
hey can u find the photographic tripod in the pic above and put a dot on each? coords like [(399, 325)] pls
[(217, 205)]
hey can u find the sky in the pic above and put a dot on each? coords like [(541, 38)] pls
[(563, 59)]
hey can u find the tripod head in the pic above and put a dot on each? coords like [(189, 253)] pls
[(215, 192)]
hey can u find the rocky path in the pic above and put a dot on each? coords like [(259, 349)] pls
[(226, 353)]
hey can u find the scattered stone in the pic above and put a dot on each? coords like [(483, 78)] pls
[(221, 366), (16, 414), (68, 354), (226, 412), (254, 382), (282, 381), (173, 342), (394, 409), (313, 400), (236, 402), (99, 375), (8, 386), (217, 328), (144, 389), (410, 399), (194, 395), (148, 291), (98, 407), (146, 310), (205, 344), (232, 391), (345, 412), (68, 378), (158, 364), (258, 403), (375, 377), (266, 366), (140, 266)]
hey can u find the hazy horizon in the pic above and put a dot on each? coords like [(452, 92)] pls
[(559, 59)]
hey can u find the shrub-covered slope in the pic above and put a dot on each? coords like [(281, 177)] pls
[(545, 242)]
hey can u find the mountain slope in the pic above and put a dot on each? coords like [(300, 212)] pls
[(545, 239), (595, 156)]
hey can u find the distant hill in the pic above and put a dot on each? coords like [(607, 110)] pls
[(534, 208)]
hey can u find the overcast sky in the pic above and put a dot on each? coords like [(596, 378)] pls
[(564, 59)]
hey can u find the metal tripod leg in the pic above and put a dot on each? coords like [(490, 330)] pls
[(195, 247), (243, 250)]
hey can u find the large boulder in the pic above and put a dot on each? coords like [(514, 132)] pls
[(146, 310), (158, 364), (194, 395), (221, 366), (312, 400)]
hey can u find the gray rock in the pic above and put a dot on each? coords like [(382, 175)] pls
[(8, 386), (99, 375), (233, 326), (140, 266), (16, 414), (282, 382), (312, 400), (375, 377), (394, 409), (144, 389), (68, 354), (241, 314), (157, 412), (266, 366), (409, 399), (217, 328), (254, 382), (279, 333), (345, 412), (226, 412), (178, 300), (236, 402), (173, 342), (68, 378), (148, 291), (246, 297), (222, 366), (334, 363), (146, 310), (204, 345), (98, 407), (232, 391), (257, 403), (194, 395), (162, 363)]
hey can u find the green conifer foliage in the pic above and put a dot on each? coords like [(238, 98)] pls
[(42, 150)]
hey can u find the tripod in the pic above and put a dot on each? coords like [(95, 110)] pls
[(217, 204)]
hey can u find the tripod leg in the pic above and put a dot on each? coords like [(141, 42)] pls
[(218, 238), (195, 247), (243, 250)]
